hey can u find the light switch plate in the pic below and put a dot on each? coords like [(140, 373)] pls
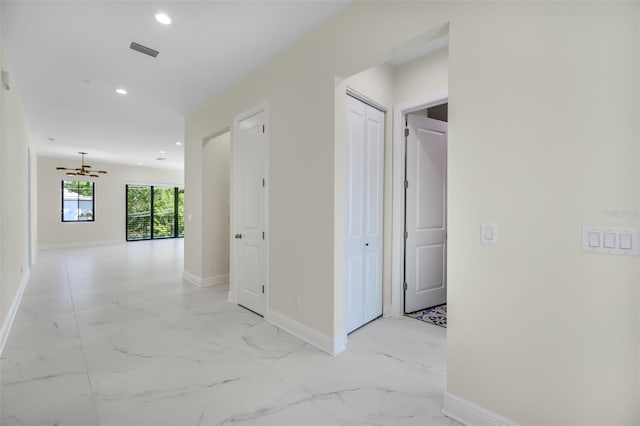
[(489, 233), (609, 240), (622, 241)]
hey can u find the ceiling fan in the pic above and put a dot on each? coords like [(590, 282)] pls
[(83, 170)]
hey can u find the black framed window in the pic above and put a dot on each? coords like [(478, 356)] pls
[(154, 212), (78, 201)]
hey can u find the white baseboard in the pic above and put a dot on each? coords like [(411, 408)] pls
[(80, 244), (13, 310), (309, 335), (205, 281), (471, 414), (387, 311)]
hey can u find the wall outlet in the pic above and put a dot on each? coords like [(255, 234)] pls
[(298, 302)]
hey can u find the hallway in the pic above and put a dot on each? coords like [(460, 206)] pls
[(112, 336)]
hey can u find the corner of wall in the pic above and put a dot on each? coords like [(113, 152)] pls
[(468, 413), (332, 346)]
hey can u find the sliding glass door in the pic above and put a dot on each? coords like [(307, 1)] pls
[(138, 212), (164, 213), (154, 212)]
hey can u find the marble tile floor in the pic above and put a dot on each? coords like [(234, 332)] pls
[(112, 336)]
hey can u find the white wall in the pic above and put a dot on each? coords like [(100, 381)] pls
[(215, 199), (110, 202), (14, 151), (530, 148), (422, 77)]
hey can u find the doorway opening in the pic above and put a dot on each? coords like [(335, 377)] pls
[(425, 219), (422, 271), (216, 164)]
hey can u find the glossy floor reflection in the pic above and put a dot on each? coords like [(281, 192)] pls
[(113, 336)]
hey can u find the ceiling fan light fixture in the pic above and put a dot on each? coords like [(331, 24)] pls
[(83, 170)]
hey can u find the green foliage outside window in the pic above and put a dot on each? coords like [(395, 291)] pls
[(154, 212)]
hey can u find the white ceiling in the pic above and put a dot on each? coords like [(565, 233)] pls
[(68, 57)]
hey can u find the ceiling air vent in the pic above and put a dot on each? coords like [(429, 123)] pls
[(143, 49)]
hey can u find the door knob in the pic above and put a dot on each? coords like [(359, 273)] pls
[(238, 236)]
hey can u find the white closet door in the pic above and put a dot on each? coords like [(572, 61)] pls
[(374, 175), (363, 263)]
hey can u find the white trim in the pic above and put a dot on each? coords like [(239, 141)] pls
[(387, 310), (13, 310), (471, 414), (214, 135), (309, 335), (397, 232), (158, 185), (205, 281), (365, 99), (233, 295), (80, 244)]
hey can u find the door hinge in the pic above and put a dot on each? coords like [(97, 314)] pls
[(406, 235), (262, 289), (263, 128), (405, 286), (263, 182), (406, 132), (406, 184), (263, 235)]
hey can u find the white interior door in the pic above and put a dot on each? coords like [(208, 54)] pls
[(426, 214), (249, 153), (363, 248)]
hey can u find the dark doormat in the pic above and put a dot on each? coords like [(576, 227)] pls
[(436, 315)]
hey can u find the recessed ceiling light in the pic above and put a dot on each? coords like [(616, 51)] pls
[(121, 91), (162, 152), (163, 18), (179, 143)]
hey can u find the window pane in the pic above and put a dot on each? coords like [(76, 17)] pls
[(70, 210), (85, 189), (138, 212), (85, 210), (181, 212), (163, 212), (71, 186)]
